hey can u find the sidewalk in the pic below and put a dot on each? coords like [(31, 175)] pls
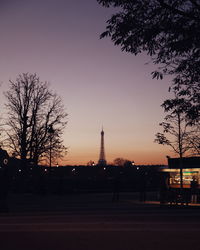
[(85, 202)]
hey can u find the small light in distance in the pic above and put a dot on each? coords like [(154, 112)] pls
[(5, 161)]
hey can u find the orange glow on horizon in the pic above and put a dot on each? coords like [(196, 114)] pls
[(142, 158)]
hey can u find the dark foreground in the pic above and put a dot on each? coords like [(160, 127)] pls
[(95, 222)]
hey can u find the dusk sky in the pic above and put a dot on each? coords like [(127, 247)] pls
[(100, 85)]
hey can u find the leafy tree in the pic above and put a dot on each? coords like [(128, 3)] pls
[(32, 110), (169, 32)]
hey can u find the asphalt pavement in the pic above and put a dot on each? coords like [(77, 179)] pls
[(93, 221)]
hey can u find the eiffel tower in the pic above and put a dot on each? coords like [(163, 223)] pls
[(102, 160)]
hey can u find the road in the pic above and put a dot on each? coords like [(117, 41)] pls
[(105, 225)]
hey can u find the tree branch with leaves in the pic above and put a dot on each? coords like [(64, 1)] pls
[(169, 32)]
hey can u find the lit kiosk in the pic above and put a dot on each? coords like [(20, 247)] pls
[(190, 177), (102, 160), (191, 171)]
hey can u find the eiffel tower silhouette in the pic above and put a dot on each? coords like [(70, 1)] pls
[(102, 159)]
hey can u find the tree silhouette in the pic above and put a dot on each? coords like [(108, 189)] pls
[(32, 109), (195, 140), (169, 32), (177, 130), (189, 111), (1, 128), (122, 162)]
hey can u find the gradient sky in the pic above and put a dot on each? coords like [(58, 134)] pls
[(99, 84)]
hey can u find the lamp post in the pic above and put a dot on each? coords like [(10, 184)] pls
[(51, 132)]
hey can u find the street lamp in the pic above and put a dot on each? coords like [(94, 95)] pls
[(51, 132)]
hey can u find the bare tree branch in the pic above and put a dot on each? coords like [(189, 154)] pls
[(32, 108)]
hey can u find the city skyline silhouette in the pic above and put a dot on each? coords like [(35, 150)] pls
[(96, 81), (67, 67)]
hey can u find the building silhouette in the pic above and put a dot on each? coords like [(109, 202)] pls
[(102, 160)]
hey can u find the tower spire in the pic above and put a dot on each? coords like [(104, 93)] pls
[(102, 160)]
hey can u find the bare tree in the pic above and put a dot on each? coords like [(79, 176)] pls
[(121, 162), (1, 129), (91, 163), (178, 136), (178, 130), (195, 139), (32, 110)]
